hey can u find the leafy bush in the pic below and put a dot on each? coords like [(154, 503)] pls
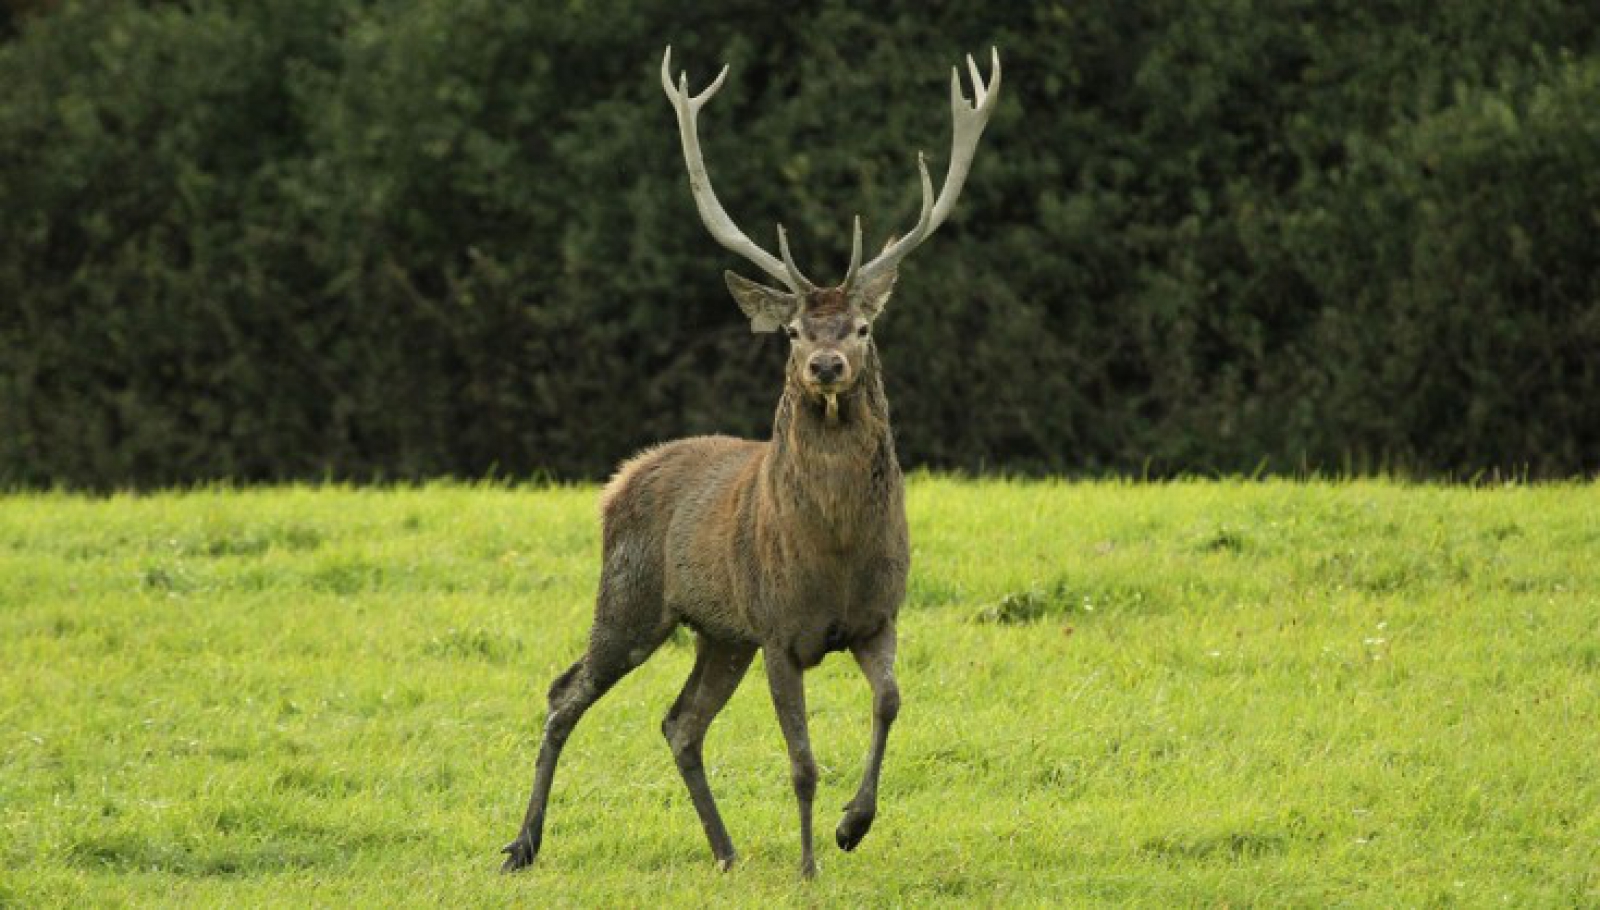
[(399, 239)]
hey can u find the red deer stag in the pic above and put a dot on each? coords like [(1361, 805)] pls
[(795, 546)]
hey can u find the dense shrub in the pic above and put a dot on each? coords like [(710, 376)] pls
[(307, 238)]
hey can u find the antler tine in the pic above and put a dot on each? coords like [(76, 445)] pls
[(977, 81), (796, 280), (967, 122), (715, 217), (855, 255)]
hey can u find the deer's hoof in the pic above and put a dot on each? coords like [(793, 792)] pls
[(725, 863), (519, 853), (853, 827)]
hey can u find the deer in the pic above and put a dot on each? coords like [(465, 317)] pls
[(796, 546)]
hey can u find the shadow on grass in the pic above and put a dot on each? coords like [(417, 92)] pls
[(243, 840), (129, 852), (1065, 596), (1226, 845)]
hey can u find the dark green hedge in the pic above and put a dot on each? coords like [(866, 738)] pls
[(309, 238)]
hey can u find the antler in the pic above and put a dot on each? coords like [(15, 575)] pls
[(968, 120), (712, 213)]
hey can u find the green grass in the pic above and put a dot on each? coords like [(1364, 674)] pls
[(1196, 693)]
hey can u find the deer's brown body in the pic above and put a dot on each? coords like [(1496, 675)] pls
[(797, 543), (795, 546)]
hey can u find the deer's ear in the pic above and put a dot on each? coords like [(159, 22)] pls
[(870, 298), (769, 309)]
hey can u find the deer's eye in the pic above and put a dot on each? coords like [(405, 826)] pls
[(863, 331), (792, 332)]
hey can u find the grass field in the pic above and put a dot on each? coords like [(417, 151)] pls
[(1186, 694)]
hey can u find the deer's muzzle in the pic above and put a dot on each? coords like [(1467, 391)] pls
[(827, 368)]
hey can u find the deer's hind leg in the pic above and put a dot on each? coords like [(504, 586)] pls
[(718, 668), (629, 626)]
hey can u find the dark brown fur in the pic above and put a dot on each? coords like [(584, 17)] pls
[(796, 546), (827, 302)]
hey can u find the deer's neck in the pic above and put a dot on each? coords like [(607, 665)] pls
[(835, 471)]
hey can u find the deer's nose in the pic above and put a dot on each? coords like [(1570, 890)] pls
[(826, 366)]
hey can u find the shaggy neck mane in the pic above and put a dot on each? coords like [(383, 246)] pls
[(839, 472)]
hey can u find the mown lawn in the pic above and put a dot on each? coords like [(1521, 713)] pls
[(1196, 693)]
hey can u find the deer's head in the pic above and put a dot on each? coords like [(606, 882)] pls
[(830, 328)]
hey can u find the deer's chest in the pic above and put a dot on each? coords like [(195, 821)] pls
[(841, 598)]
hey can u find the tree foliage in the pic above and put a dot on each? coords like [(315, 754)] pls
[(308, 238)]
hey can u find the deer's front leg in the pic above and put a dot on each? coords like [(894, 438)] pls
[(784, 678), (875, 656)]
